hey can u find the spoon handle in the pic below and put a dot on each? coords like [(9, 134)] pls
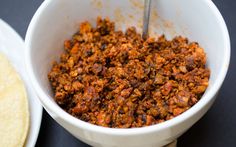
[(146, 16)]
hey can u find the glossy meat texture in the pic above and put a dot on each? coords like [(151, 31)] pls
[(116, 79)]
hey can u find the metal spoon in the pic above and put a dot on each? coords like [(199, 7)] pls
[(146, 16)]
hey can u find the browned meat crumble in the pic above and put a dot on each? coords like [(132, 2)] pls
[(115, 79)]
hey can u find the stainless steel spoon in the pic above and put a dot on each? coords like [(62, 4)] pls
[(146, 16)]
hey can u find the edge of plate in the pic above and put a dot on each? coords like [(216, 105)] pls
[(27, 84)]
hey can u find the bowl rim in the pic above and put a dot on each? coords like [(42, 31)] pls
[(56, 111)]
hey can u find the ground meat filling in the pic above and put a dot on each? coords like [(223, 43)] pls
[(118, 80)]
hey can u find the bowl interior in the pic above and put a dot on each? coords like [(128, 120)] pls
[(60, 19)]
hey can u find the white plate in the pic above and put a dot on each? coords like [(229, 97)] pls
[(12, 45)]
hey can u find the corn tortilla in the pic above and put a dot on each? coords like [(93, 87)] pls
[(14, 111)]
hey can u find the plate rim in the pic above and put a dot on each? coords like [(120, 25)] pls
[(34, 136)]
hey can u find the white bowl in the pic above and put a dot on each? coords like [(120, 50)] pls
[(57, 20)]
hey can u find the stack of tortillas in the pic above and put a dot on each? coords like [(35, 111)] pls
[(14, 111)]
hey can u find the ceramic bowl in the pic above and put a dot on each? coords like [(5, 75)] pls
[(57, 20)]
